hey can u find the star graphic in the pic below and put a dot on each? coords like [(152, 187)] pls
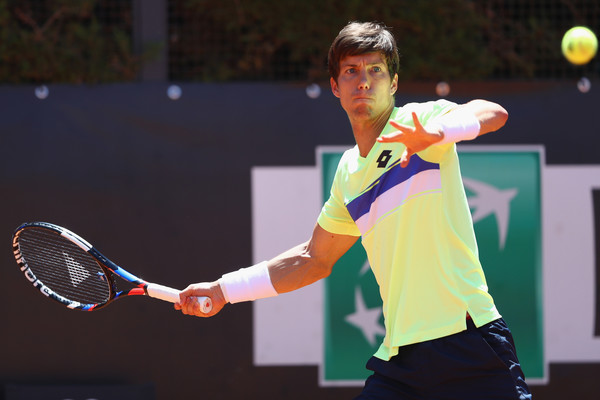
[(366, 319)]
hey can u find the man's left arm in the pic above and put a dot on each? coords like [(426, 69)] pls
[(491, 116), (464, 122)]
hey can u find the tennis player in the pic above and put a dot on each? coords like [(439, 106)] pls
[(400, 190)]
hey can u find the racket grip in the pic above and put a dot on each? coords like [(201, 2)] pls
[(172, 295), (205, 304)]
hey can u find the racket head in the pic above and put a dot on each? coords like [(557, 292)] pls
[(63, 266)]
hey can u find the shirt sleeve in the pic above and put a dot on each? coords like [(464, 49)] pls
[(334, 216), (430, 109)]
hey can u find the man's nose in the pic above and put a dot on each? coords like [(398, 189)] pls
[(363, 82)]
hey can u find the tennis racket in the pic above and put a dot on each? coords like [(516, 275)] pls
[(68, 269)]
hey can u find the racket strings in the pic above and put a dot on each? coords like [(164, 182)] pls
[(64, 267)]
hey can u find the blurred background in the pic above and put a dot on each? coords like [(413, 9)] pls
[(137, 124), (107, 41)]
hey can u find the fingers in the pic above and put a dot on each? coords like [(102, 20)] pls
[(416, 121), (188, 300), (405, 159), (189, 303), (401, 136), (188, 292), (391, 137), (407, 128), (416, 138), (191, 306), (400, 127), (402, 131), (397, 136)]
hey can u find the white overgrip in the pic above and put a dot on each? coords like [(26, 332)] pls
[(172, 295)]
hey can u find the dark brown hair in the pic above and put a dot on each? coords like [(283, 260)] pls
[(363, 37)]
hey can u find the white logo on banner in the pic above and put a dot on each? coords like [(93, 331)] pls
[(490, 200)]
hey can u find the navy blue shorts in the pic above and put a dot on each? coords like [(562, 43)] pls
[(476, 364)]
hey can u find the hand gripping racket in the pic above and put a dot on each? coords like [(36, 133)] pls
[(68, 269)]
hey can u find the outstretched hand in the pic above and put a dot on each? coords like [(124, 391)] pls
[(416, 138)]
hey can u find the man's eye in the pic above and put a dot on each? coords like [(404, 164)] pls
[(377, 69)]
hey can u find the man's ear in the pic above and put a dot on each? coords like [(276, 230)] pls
[(334, 87), (394, 87)]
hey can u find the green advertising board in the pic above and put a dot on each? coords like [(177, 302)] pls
[(503, 186)]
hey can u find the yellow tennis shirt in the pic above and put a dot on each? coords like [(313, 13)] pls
[(417, 230)]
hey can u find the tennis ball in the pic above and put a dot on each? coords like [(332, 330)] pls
[(579, 45)]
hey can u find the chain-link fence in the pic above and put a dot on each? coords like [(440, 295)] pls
[(525, 36), (287, 40), (438, 39), (66, 41)]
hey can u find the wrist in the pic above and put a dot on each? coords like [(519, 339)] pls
[(247, 284), (458, 126)]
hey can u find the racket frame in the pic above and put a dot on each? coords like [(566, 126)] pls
[(141, 287)]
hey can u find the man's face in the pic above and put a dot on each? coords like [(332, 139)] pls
[(364, 86)]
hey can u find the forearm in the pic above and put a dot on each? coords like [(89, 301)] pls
[(296, 268), (491, 116), (468, 121), (287, 272)]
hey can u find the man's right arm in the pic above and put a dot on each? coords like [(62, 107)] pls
[(308, 262), (298, 267)]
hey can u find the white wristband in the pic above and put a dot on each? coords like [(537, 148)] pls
[(247, 284), (457, 126)]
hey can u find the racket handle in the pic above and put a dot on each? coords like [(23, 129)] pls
[(172, 295), (205, 304)]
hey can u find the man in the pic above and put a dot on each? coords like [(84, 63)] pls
[(400, 189)]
